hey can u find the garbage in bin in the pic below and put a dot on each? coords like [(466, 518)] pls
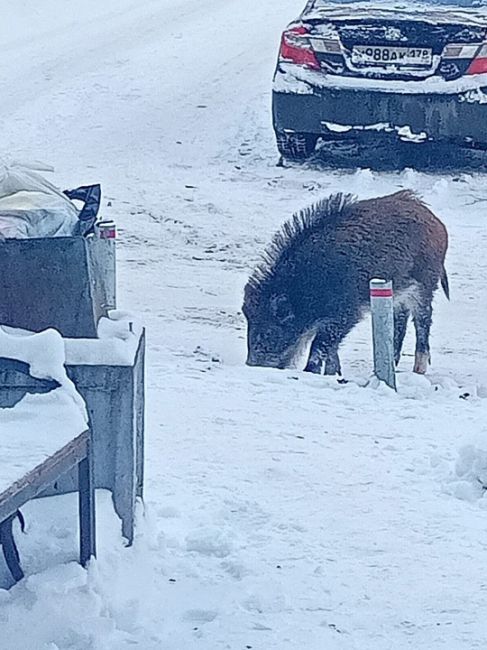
[(90, 195), (32, 207)]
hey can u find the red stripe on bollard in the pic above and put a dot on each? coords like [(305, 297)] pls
[(381, 293)]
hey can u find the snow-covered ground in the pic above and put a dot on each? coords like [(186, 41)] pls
[(282, 510)]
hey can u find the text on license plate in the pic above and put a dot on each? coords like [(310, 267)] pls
[(378, 55)]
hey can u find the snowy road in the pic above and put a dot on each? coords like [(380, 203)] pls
[(283, 510)]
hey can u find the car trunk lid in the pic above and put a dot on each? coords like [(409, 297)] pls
[(367, 40)]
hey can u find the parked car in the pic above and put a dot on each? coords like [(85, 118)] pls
[(416, 70)]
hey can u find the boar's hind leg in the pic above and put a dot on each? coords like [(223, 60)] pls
[(422, 316), (323, 350), (401, 316)]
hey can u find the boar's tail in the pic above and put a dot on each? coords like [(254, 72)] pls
[(444, 283)]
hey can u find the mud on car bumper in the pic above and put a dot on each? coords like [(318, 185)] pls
[(344, 112)]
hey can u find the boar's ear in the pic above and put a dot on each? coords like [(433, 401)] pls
[(281, 307)]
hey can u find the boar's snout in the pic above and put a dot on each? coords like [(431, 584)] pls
[(271, 332), (267, 347)]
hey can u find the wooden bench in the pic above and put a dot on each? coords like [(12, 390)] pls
[(29, 464)]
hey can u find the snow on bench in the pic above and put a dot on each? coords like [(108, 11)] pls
[(41, 438), (34, 430)]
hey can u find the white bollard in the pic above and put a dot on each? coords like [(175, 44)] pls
[(381, 304), (107, 232)]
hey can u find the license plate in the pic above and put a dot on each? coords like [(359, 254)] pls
[(371, 55)]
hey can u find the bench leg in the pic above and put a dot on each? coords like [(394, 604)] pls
[(87, 543), (10, 549)]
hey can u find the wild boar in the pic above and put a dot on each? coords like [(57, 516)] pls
[(313, 282)]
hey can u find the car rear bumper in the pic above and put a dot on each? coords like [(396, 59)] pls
[(343, 112)]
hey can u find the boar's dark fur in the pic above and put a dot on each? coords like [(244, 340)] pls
[(313, 282)]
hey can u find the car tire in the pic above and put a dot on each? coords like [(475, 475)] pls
[(296, 146)]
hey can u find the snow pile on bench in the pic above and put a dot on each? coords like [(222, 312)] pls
[(37, 418), (116, 345)]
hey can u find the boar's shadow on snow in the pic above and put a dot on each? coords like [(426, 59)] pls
[(312, 286)]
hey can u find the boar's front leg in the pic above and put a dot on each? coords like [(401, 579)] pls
[(332, 363), (324, 351), (316, 357)]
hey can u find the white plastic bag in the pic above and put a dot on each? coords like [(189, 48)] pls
[(30, 206)]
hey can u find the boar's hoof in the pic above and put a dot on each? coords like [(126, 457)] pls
[(421, 361)]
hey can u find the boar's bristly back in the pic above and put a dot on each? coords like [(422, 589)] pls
[(328, 211)]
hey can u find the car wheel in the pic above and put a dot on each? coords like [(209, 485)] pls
[(296, 146)]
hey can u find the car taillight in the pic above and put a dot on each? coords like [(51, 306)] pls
[(479, 64), (326, 45), (296, 48)]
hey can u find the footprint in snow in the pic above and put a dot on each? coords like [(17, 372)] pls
[(210, 542), (200, 616)]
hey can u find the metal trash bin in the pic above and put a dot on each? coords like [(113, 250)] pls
[(67, 283)]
